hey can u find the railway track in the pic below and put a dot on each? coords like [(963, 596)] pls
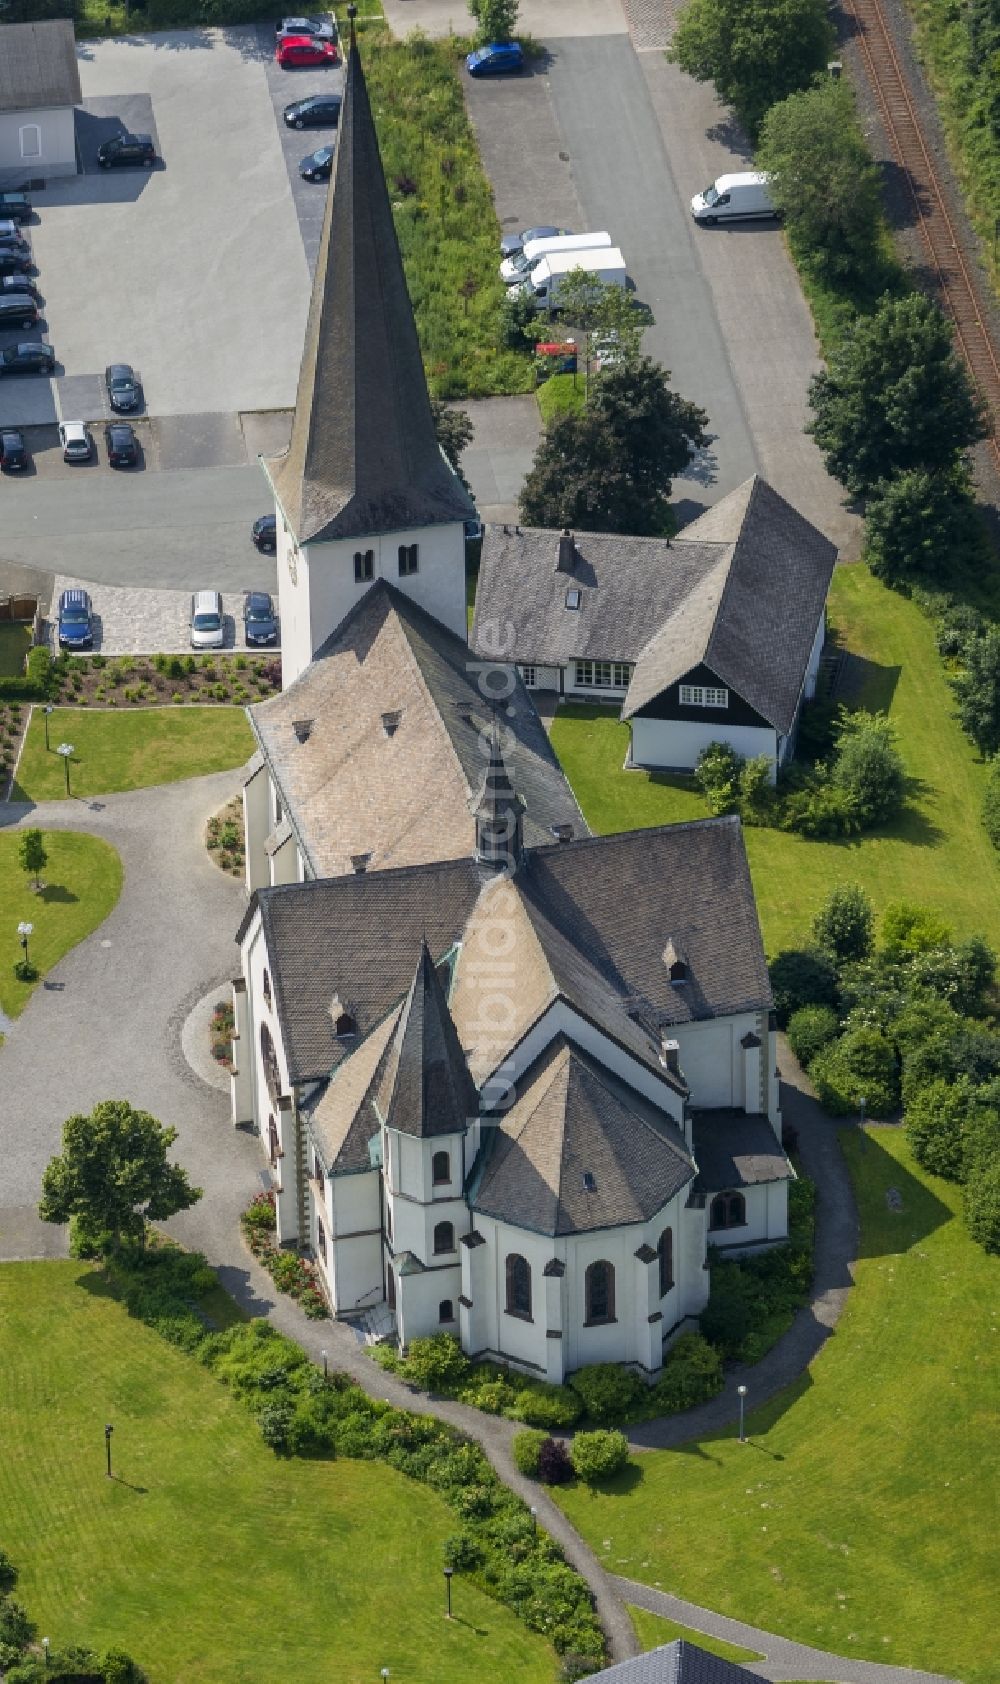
[(957, 290)]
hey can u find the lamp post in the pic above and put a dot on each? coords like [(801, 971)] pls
[(384, 1674), (66, 750), (534, 1519), (45, 1646), (742, 1393), (326, 1370), (47, 709), (107, 1443), (447, 1579), (24, 930)]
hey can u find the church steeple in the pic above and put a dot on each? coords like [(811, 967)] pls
[(363, 457), (499, 814)]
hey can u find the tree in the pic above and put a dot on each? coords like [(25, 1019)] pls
[(918, 524), (609, 467), (977, 691), (861, 1065), (908, 929), (755, 51), (933, 1126), (801, 976), (454, 431), (496, 20), (894, 397), (823, 180), (991, 804), (600, 309), (868, 766), (844, 923), (32, 855), (114, 1175), (982, 1205)]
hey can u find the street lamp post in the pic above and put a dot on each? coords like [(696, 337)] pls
[(45, 1646), (66, 750), (862, 1102), (384, 1674), (742, 1393), (24, 930), (326, 1370), (47, 709), (107, 1443), (447, 1579), (534, 1519)]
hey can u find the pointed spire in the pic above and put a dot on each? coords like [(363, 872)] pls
[(426, 1087), (363, 456), (499, 813)]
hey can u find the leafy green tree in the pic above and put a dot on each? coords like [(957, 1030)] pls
[(454, 431), (601, 310), (868, 766), (801, 976), (8, 1574), (918, 524), (113, 1173), (32, 855), (982, 1205), (496, 20), (755, 51), (861, 1065), (610, 466), (933, 1126), (977, 691), (810, 1029), (598, 1455), (894, 397), (991, 804), (908, 928), (822, 177), (844, 924)]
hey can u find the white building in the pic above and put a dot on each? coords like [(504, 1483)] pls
[(39, 88)]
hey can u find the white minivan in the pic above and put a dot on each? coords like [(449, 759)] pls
[(515, 269), (733, 198)]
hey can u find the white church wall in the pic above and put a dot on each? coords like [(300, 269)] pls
[(513, 1338), (562, 1019), (766, 1219), (257, 826), (711, 1060), (284, 863), (419, 1297)]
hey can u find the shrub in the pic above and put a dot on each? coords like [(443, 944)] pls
[(554, 1465), (810, 1029), (982, 1205), (801, 977), (717, 774), (8, 1574), (861, 1065), (437, 1363), (608, 1390), (692, 1373), (868, 768), (908, 929), (991, 804), (260, 1216), (542, 1405), (526, 1448), (598, 1455), (844, 924), (933, 1124)]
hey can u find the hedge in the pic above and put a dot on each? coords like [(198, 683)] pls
[(35, 684)]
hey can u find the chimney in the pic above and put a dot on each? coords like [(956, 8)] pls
[(562, 832), (359, 863), (567, 552), (303, 729), (670, 1055), (390, 722)]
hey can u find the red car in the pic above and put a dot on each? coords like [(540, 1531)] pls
[(299, 50)]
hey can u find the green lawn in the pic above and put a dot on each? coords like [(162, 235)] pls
[(115, 751), (937, 853), (15, 641), (653, 1631), (561, 394), (207, 1557), (864, 1503), (83, 879)]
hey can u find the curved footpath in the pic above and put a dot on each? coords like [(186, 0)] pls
[(107, 1021)]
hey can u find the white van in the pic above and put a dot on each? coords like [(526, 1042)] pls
[(517, 268), (544, 284), (733, 198)]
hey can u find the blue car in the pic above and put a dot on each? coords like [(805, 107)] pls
[(76, 620), (498, 59)]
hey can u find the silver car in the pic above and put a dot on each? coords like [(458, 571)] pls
[(208, 629)]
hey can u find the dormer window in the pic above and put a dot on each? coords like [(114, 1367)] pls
[(364, 566), (409, 555), (675, 960), (390, 722), (344, 1023), (573, 598)]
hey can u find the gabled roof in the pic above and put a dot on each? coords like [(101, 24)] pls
[(425, 1087), (38, 66), (363, 456), (579, 1150), (675, 1663), (401, 795), (734, 1149), (343, 1119)]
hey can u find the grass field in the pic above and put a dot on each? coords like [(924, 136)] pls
[(114, 751), (653, 1630), (937, 852), (207, 1557), (15, 641), (859, 1510), (83, 879)]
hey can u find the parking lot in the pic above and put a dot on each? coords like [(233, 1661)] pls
[(129, 621)]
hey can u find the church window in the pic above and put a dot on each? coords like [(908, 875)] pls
[(518, 1286), (267, 987), (344, 1024), (665, 1252), (318, 1176), (599, 1291), (444, 1238), (269, 1059), (321, 1239), (364, 566), (273, 1145), (440, 1168), (408, 559), (728, 1210), (446, 1310)]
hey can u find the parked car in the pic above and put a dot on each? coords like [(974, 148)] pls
[(31, 357), (319, 111), (511, 244), (500, 58), (208, 627), (17, 283), (14, 261), (264, 533), (16, 207), (298, 52), (10, 234), (18, 309), (75, 441), (123, 446), (76, 620), (260, 623), (316, 166), (14, 456), (123, 386), (318, 29), (124, 149)]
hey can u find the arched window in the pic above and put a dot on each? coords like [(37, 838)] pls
[(269, 1059), (318, 1176), (267, 987), (518, 1286), (440, 1168), (665, 1252), (444, 1237), (273, 1148), (408, 559), (364, 566), (390, 1287), (728, 1210), (599, 1291), (446, 1310), (321, 1239), (344, 1025)]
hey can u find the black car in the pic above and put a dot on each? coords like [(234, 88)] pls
[(13, 451), (264, 533), (10, 235), (127, 149), (14, 262), (29, 358), (319, 111), (316, 166), (16, 207), (260, 624), (76, 620), (123, 446), (123, 386), (10, 284), (17, 309)]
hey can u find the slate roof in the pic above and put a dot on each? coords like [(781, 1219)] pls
[(404, 798), (573, 1119), (363, 456), (675, 1663), (733, 1149), (426, 1089), (38, 66), (740, 589)]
